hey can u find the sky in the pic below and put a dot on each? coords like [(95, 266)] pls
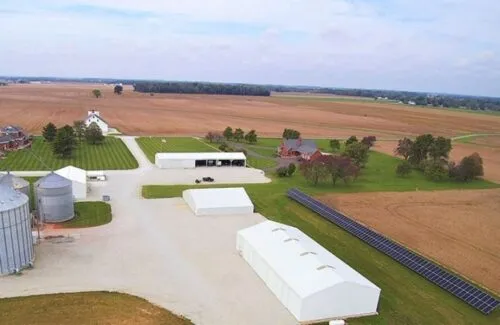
[(450, 46)]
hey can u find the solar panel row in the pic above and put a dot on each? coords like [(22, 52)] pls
[(465, 291)]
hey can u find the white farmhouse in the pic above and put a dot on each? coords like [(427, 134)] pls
[(94, 117)]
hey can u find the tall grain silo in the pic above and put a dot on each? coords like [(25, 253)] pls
[(16, 240), (54, 199), (16, 183)]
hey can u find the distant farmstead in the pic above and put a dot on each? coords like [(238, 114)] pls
[(298, 148), (13, 138), (95, 117)]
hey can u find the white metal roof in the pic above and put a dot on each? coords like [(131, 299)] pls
[(73, 173), (220, 197), (201, 155), (305, 265)]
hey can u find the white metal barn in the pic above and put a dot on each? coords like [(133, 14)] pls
[(312, 283), (218, 201), (200, 159), (78, 178)]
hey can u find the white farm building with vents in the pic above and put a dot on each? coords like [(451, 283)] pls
[(78, 178), (312, 283), (189, 160), (218, 201)]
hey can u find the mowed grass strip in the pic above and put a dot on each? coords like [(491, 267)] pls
[(85, 308), (406, 297), (152, 145), (113, 154), (89, 214)]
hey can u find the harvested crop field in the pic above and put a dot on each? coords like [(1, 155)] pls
[(459, 229), (31, 106)]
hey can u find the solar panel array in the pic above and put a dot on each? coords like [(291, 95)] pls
[(463, 290)]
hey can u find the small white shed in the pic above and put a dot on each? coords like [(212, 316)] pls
[(218, 201), (78, 178), (312, 283), (186, 160)]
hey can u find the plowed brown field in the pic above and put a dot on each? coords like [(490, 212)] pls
[(459, 229), (31, 106)]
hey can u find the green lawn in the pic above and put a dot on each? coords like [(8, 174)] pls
[(152, 145), (85, 308), (406, 297), (112, 154), (261, 163), (89, 214)]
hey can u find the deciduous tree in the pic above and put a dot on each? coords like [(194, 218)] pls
[(80, 128), (238, 134), (369, 140), (470, 168), (440, 148), (49, 132), (65, 142), (282, 171), (251, 137), (403, 169), (314, 171), (420, 149), (93, 134), (97, 93), (291, 169), (118, 89), (352, 139), (228, 133), (435, 170), (404, 148), (291, 134), (335, 145), (358, 152)]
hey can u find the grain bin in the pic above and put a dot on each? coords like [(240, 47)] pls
[(54, 199), (16, 240), (16, 183)]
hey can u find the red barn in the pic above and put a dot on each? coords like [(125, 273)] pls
[(13, 138), (293, 148)]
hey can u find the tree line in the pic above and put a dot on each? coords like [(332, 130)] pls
[(431, 155), (65, 139), (201, 88), (435, 100)]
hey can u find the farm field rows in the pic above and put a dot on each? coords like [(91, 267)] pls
[(457, 228), (85, 308), (112, 154)]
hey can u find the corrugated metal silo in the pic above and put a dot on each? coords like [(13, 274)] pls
[(16, 183), (54, 199), (16, 240)]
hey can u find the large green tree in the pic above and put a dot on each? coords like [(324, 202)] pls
[(358, 152), (404, 148), (440, 148), (470, 168), (97, 93), (118, 89), (228, 133), (251, 137), (93, 134), (335, 145), (352, 139), (65, 142), (291, 134), (49, 132), (80, 128), (238, 135), (420, 149)]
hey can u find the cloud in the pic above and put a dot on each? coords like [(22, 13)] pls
[(404, 44)]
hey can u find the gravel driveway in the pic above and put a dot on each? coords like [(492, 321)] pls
[(157, 249)]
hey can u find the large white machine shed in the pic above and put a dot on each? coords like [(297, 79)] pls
[(184, 160), (312, 283), (78, 178), (218, 201)]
